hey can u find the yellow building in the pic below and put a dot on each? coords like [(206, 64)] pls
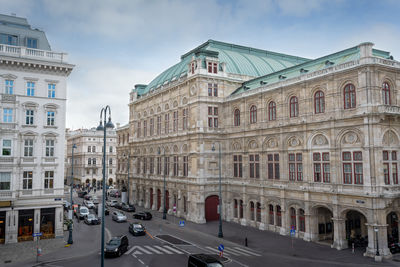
[(310, 145)]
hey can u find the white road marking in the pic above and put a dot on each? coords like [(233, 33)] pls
[(154, 250), (214, 250), (248, 251), (174, 250), (235, 252), (163, 249)]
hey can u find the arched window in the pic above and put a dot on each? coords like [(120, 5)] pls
[(278, 216), (349, 96), (235, 209), (253, 114), (272, 111), (293, 218), (241, 209), (386, 93), (271, 215), (319, 102), (236, 117), (294, 107)]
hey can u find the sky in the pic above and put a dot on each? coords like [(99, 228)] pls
[(115, 44)]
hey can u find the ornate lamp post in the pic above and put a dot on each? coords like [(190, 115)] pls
[(70, 241), (109, 125), (220, 234)]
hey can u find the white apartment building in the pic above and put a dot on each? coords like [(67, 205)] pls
[(88, 156), (33, 83)]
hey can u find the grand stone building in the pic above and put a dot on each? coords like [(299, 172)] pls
[(310, 145), (88, 157), (33, 92)]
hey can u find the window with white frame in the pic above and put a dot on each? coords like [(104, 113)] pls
[(390, 167), (352, 164), (27, 180), (51, 90), (49, 148), (5, 180), (50, 118), (6, 148), (94, 161), (28, 147), (7, 115), (89, 161), (48, 179), (9, 87), (30, 88), (110, 161), (29, 116)]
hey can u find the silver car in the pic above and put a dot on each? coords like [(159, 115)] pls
[(118, 216)]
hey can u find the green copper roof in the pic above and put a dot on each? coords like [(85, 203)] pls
[(309, 66), (239, 60)]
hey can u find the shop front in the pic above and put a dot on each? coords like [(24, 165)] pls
[(47, 222), (25, 225)]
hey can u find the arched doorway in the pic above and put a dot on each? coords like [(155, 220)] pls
[(393, 227), (87, 181), (356, 230), (325, 225), (158, 199), (211, 208), (110, 181), (151, 198), (166, 200)]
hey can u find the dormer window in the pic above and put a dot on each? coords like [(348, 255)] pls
[(212, 67), (31, 43)]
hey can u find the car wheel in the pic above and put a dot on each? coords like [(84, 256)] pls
[(119, 253)]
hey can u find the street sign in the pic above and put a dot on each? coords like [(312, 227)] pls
[(37, 234), (181, 223), (221, 247), (292, 232)]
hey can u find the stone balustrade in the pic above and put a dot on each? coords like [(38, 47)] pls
[(24, 52)]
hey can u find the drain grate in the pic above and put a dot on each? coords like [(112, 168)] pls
[(172, 240)]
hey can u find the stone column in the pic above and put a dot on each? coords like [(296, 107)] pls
[(284, 216), (171, 203), (339, 234), (246, 214), (154, 207), (147, 202), (382, 241), (310, 222), (264, 222), (11, 226)]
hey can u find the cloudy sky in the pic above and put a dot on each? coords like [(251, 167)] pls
[(116, 44)]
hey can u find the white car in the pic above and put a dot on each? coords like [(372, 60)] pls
[(118, 216), (112, 203), (83, 211), (89, 204), (95, 200)]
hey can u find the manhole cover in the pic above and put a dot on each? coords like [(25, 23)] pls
[(172, 240)]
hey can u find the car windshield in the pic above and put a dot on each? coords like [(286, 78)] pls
[(90, 202), (114, 242), (138, 226), (84, 210), (91, 216)]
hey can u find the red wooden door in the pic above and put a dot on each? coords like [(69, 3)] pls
[(158, 199), (151, 198), (211, 207), (166, 200)]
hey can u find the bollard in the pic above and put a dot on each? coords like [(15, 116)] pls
[(245, 241), (352, 248)]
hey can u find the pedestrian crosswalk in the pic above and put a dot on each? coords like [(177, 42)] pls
[(147, 250), (234, 251)]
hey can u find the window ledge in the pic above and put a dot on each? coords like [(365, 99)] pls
[(29, 126), (50, 127)]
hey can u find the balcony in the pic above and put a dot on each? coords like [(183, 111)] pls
[(24, 52), (6, 195), (391, 110)]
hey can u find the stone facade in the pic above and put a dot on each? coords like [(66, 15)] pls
[(33, 85), (88, 156), (321, 160)]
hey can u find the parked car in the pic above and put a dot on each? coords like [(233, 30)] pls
[(89, 204), (92, 219), (117, 246), (81, 194), (143, 215), (88, 197), (118, 205), (136, 229), (111, 203), (129, 208), (83, 211), (118, 216), (203, 260), (95, 200)]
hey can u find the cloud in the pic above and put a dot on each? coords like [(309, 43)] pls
[(301, 8)]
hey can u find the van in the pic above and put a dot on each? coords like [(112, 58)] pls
[(203, 260)]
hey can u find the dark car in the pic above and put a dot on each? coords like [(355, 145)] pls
[(118, 205), (81, 194), (129, 208), (117, 246), (92, 219), (137, 229), (143, 215), (203, 260), (96, 209)]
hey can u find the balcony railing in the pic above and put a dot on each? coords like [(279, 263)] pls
[(8, 98), (5, 194), (24, 52), (395, 110)]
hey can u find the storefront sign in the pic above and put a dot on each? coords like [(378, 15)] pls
[(5, 204)]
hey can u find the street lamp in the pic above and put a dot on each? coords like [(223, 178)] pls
[(220, 234), (164, 216), (377, 243), (70, 241), (109, 125)]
